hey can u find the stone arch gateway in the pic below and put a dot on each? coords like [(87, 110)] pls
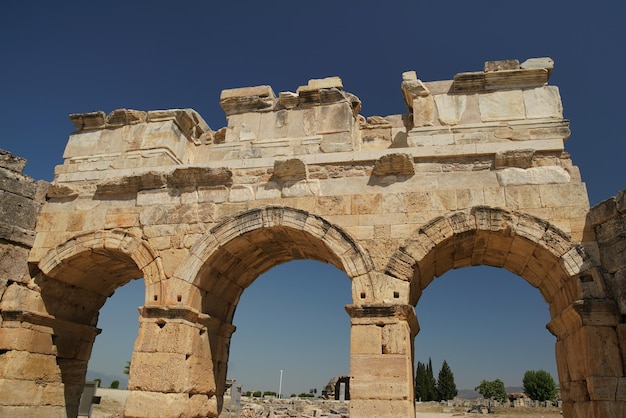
[(474, 173)]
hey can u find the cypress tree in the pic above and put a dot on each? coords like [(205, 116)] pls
[(421, 383), (446, 388), (431, 384)]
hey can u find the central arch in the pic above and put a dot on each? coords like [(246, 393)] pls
[(222, 264)]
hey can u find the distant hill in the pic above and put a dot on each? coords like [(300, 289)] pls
[(108, 378)]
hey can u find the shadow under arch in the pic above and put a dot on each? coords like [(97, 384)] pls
[(569, 279), (226, 261), (75, 279)]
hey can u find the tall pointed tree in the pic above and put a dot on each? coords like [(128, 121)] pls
[(431, 383), (421, 382), (446, 388)]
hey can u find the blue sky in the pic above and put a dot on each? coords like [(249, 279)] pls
[(69, 57)]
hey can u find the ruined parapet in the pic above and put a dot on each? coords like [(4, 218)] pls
[(319, 117), (21, 198), (125, 140), (504, 102), (608, 219)]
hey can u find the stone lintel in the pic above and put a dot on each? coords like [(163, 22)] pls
[(394, 165)]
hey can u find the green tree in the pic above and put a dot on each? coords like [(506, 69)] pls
[(432, 384), (446, 388), (127, 368), (421, 382), (492, 390), (98, 381), (115, 384), (539, 385)]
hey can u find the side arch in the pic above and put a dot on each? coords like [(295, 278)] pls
[(528, 246), (238, 250), (116, 255)]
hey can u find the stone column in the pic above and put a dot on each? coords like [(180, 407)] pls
[(43, 364), (381, 360), (590, 365), (171, 371)]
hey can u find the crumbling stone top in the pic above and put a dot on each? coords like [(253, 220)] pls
[(12, 162)]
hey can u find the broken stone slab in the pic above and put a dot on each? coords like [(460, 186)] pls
[(317, 84), (412, 88), (544, 62), (288, 99), (290, 170), (394, 165), (12, 162), (491, 66), (121, 117), (513, 79), (87, 121), (247, 99)]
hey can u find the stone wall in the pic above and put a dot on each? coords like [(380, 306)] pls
[(474, 173), (21, 198)]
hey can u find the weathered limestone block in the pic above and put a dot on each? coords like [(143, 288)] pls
[(290, 170), (394, 164), (543, 102), (22, 365), (120, 117), (450, 108), (423, 111), (602, 388), (514, 176), (247, 99), (522, 158), (501, 105), (273, 125), (617, 288)]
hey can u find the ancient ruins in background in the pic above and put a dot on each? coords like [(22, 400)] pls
[(475, 173)]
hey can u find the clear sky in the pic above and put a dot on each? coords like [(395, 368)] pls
[(69, 57)]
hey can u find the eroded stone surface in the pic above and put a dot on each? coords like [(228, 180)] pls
[(474, 173)]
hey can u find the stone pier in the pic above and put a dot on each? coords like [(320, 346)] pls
[(475, 172)]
